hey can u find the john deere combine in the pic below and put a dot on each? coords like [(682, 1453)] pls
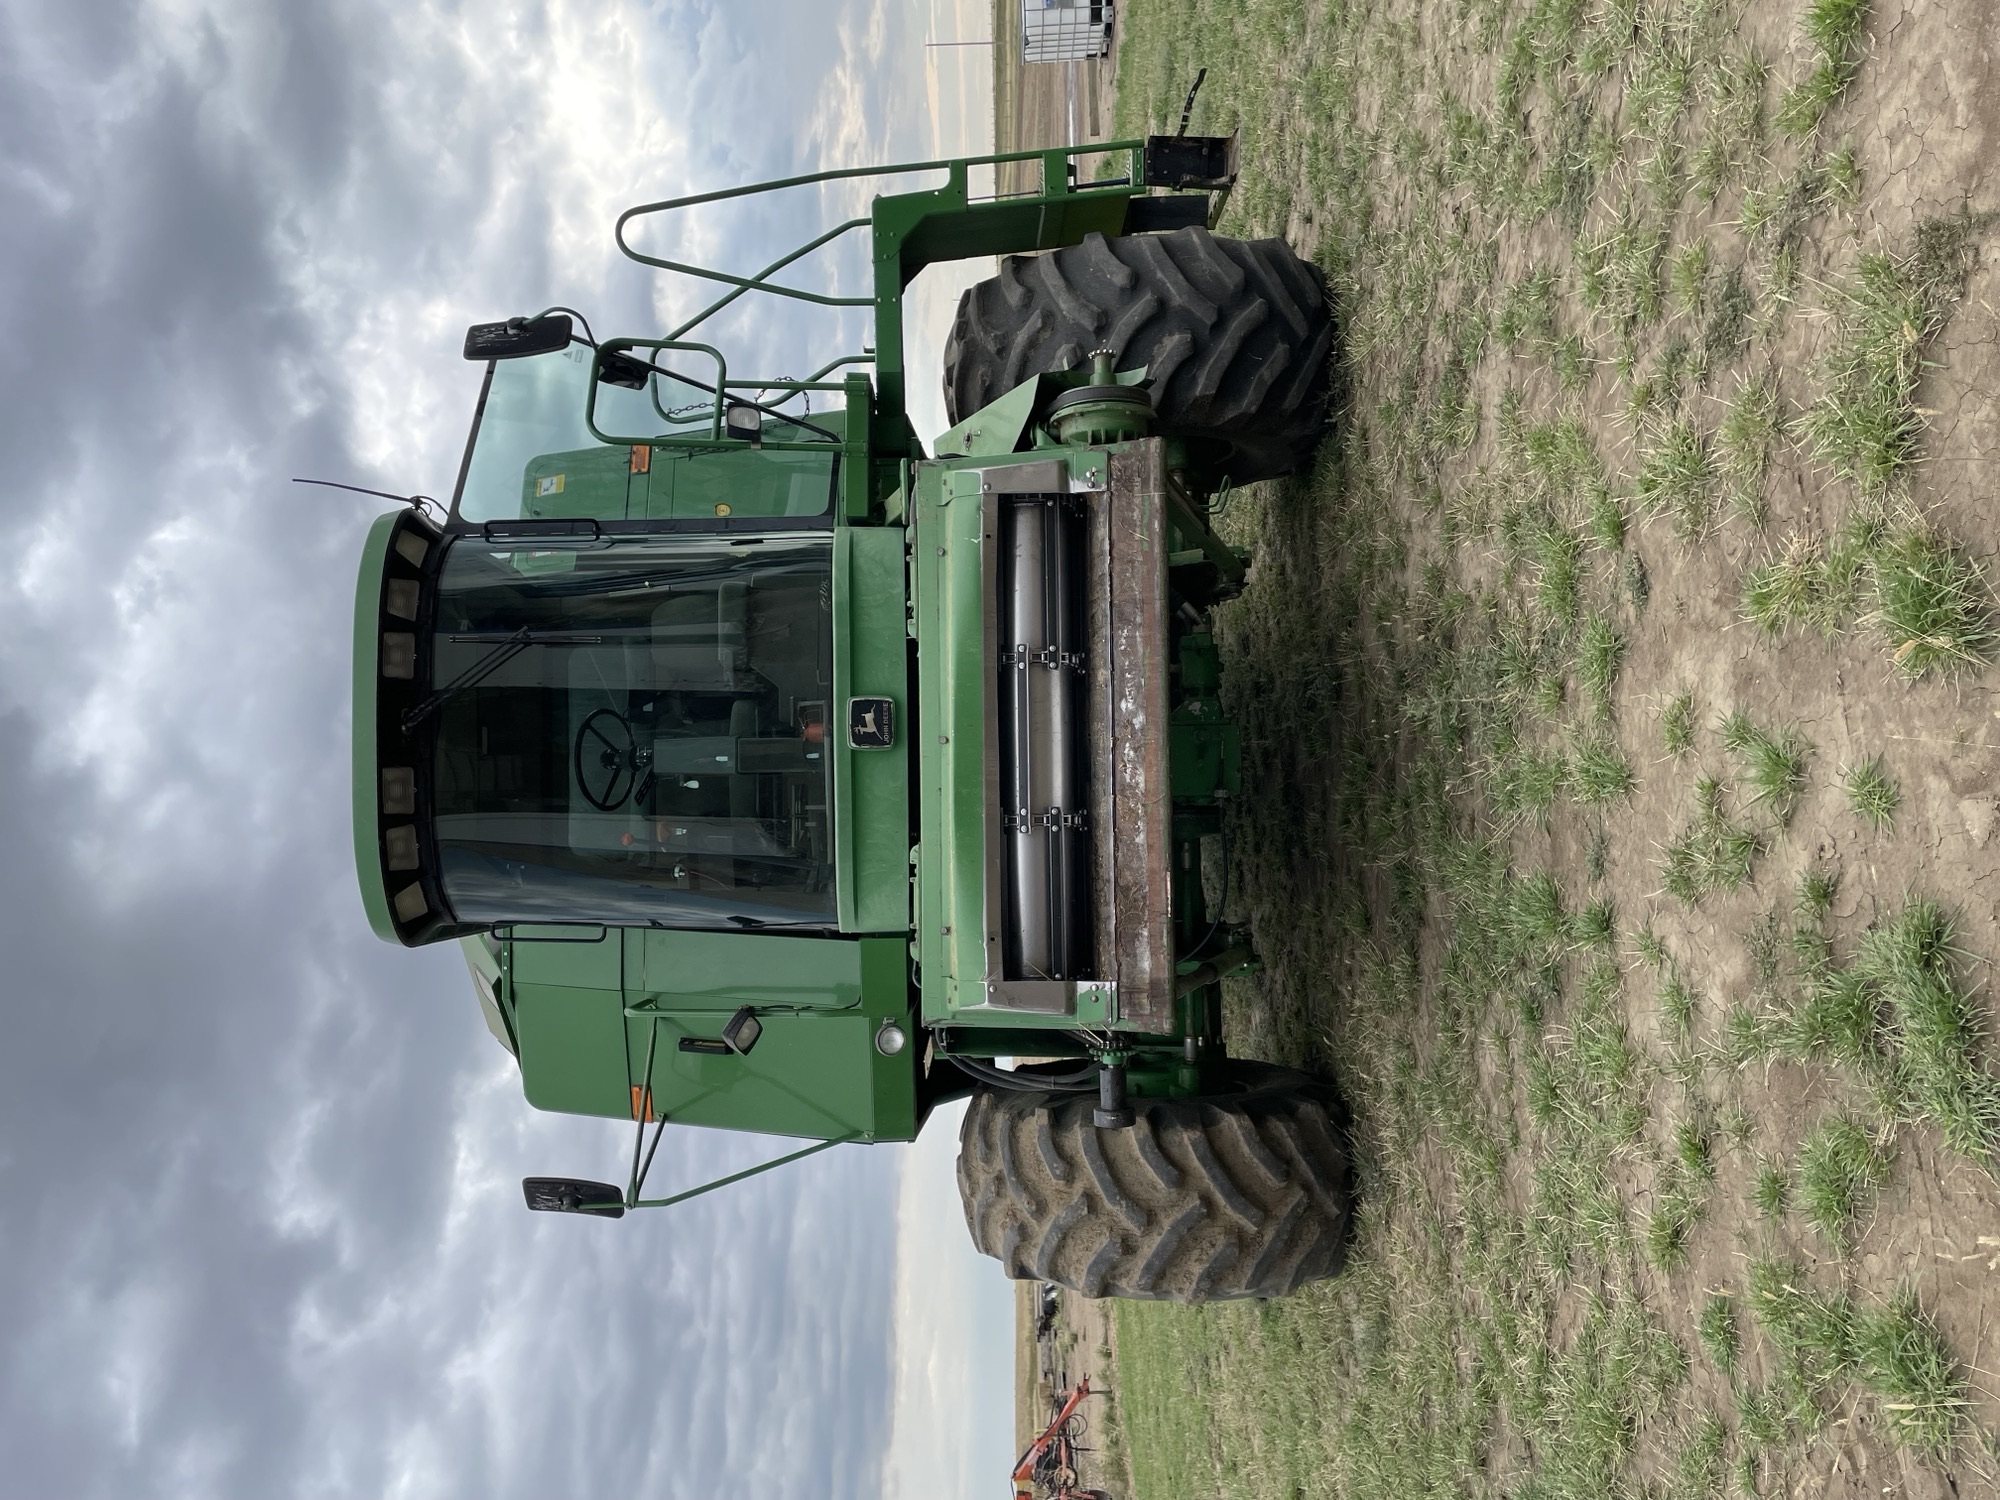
[(776, 776)]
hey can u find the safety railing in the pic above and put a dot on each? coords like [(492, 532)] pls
[(717, 407), (1059, 180)]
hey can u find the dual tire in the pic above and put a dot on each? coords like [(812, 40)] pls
[(1236, 337), (1243, 1194)]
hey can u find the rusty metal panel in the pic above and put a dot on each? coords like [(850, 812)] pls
[(1131, 794)]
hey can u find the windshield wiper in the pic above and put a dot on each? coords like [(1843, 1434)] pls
[(505, 651)]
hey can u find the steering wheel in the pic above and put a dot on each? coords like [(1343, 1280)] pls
[(608, 753)]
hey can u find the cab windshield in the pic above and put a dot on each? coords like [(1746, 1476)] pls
[(641, 737), (532, 455)]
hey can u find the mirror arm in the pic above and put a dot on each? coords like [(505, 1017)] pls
[(722, 1182), (640, 1111)]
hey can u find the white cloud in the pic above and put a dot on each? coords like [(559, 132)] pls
[(244, 240), (952, 1419)]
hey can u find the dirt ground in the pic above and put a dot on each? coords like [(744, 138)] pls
[(1617, 700), (1047, 104), (1081, 1344)]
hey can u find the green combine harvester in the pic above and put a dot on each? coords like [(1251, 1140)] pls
[(775, 776)]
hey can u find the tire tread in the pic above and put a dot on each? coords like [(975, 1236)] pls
[(1241, 1195), (1236, 336)]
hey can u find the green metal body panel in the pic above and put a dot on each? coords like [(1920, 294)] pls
[(955, 784), (998, 428), (677, 484), (953, 778), (1005, 424), (585, 1014), (951, 775), (871, 788), (914, 230)]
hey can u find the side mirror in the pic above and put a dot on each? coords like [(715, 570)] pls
[(619, 369), (572, 1195), (518, 338)]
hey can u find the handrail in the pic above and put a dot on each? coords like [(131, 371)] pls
[(618, 346), (955, 166), (865, 357)]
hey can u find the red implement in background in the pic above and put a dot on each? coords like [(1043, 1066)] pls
[(1050, 1460)]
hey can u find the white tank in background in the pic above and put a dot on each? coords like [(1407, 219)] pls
[(1065, 30)]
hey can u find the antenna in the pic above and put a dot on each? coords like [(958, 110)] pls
[(410, 500)]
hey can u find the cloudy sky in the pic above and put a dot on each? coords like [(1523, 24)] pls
[(260, 1231)]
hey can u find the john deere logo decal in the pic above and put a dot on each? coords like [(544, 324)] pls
[(871, 723)]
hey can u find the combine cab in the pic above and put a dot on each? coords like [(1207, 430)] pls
[(776, 776)]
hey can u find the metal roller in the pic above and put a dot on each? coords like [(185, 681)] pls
[(1043, 786)]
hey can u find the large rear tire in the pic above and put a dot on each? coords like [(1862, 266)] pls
[(1235, 335), (1237, 1195)]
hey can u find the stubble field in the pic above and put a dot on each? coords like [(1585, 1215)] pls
[(1619, 824)]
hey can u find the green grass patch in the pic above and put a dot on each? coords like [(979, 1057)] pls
[(1558, 558), (1806, 102), (1840, 178), (1743, 445), (1865, 425), (1811, 1331), (1932, 603), (1619, 268), (1822, 1340), (1725, 330), (1688, 275), (1717, 1329), (1912, 969), (1839, 1017), (1734, 91), (1750, 1035), (1678, 1003), (1600, 652), (1594, 926), (1694, 1151), (1834, 26), (1606, 519), (1618, 1372), (1669, 1227), (1800, 587), (1525, 783), (1872, 793), (1900, 1356), (1677, 478), (1772, 1191), (1677, 725), (1841, 1169), (1698, 1468), (1773, 765), (1528, 310), (1833, 30), (1903, 1017), (1712, 853)]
